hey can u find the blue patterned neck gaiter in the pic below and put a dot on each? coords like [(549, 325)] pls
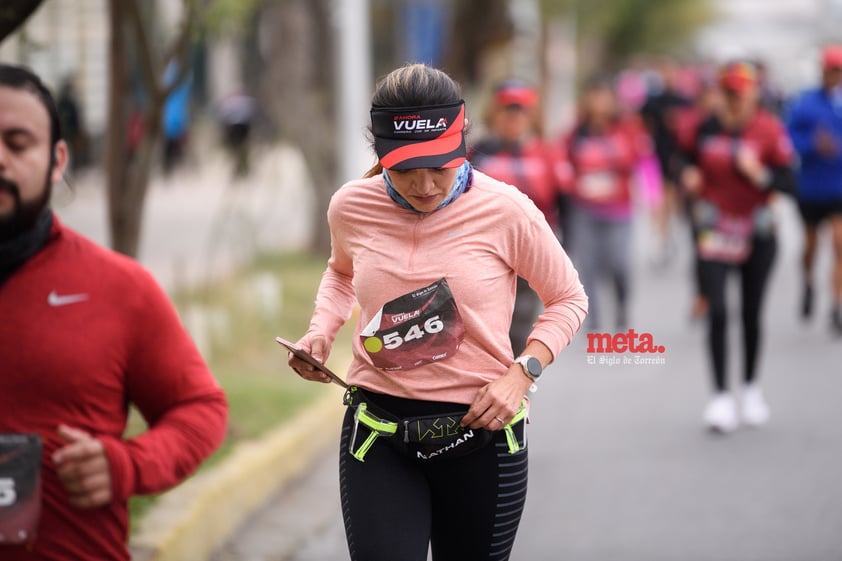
[(462, 183)]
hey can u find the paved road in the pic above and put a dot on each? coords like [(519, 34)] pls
[(621, 469)]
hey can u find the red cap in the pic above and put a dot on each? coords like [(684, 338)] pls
[(516, 93), (738, 76), (832, 56)]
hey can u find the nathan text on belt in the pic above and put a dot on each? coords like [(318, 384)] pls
[(424, 437)]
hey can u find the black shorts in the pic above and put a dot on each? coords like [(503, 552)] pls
[(814, 213)]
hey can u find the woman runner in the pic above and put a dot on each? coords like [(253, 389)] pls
[(433, 451), (737, 159)]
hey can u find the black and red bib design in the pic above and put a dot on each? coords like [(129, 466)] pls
[(721, 236), (418, 328), (20, 487)]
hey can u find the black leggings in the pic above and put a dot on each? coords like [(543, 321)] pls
[(754, 274), (395, 505)]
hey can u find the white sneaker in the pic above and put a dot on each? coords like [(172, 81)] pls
[(754, 409), (721, 413)]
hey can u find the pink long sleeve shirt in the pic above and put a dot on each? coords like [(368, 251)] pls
[(479, 243)]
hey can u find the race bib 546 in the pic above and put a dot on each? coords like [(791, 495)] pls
[(418, 328)]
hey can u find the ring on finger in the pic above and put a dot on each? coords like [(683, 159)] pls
[(502, 422)]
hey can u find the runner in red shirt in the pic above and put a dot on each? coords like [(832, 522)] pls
[(602, 151), (514, 153), (737, 158), (84, 333)]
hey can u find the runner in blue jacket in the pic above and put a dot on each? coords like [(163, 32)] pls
[(815, 126)]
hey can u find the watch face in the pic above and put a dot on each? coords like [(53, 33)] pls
[(533, 366)]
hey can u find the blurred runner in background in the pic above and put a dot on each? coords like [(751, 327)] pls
[(175, 120), (772, 98), (72, 124), (659, 115), (735, 160), (602, 151), (236, 113), (815, 125), (514, 152)]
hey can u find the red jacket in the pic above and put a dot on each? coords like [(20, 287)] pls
[(602, 164), (529, 166), (83, 333), (712, 148)]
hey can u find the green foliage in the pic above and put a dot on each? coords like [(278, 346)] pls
[(625, 27), (655, 26), (220, 17)]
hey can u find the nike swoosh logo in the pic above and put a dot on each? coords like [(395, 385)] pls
[(55, 300)]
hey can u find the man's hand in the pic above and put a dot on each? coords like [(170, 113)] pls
[(83, 468)]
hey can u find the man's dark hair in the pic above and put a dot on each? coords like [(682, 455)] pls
[(21, 78)]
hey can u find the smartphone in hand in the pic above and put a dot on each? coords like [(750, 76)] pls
[(309, 359)]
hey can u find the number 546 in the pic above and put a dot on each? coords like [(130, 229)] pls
[(394, 340)]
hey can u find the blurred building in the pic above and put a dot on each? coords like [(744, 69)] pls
[(786, 34), (68, 39)]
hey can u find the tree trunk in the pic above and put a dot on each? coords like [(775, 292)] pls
[(471, 36), (298, 87), (120, 219), (128, 168), (127, 203)]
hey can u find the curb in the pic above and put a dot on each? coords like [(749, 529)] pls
[(193, 520)]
